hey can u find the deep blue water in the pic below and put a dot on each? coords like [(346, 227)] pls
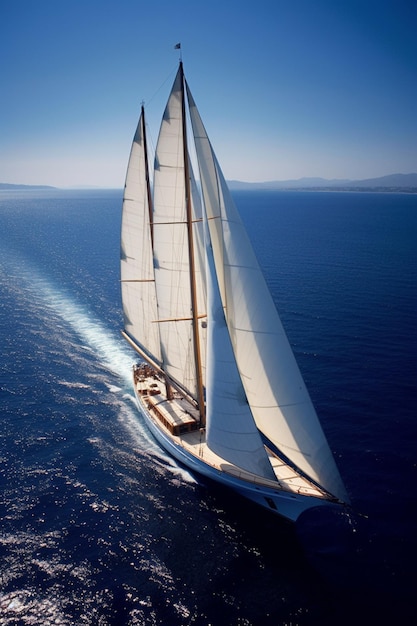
[(99, 526)]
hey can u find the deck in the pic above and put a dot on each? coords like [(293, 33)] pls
[(179, 419)]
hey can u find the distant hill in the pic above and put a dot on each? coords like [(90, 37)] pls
[(11, 187), (392, 182), (299, 183)]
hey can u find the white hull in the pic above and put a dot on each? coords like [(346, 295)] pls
[(275, 499)]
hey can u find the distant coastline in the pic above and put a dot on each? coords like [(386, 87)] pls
[(403, 183), (406, 183), (10, 187)]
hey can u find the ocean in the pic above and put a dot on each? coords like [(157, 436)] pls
[(100, 527)]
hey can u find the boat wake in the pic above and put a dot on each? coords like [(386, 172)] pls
[(114, 355), (144, 440)]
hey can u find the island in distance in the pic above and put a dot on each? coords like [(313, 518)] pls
[(392, 182), (406, 183)]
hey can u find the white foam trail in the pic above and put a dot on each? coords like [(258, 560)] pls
[(113, 355), (113, 388), (117, 358), (94, 333), (145, 441)]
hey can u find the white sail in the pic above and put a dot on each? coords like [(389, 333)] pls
[(274, 387), (137, 274), (230, 429), (171, 247)]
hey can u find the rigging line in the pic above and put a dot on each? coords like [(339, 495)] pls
[(148, 182), (146, 103), (151, 147), (169, 77)]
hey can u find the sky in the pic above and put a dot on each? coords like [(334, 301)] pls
[(286, 88)]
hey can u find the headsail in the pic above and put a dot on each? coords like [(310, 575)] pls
[(231, 431), (274, 387), (137, 273)]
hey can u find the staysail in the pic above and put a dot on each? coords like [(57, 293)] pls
[(231, 431), (137, 273), (275, 390)]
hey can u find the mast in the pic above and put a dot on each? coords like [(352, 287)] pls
[(148, 184), (193, 287), (167, 382)]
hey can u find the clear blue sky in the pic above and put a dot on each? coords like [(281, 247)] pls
[(286, 88)]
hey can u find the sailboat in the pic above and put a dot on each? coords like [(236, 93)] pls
[(217, 381)]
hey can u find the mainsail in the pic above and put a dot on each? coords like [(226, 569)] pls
[(178, 270)]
